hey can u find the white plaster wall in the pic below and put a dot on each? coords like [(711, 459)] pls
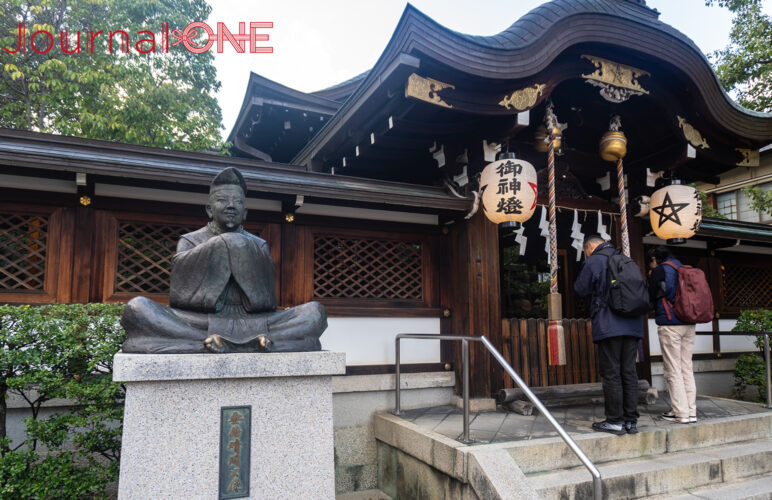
[(744, 210), (370, 341), (731, 343), (367, 213), (23, 182), (714, 377), (704, 343)]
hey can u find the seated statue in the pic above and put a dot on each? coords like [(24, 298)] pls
[(222, 293)]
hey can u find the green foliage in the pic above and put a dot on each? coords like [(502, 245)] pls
[(745, 65), (761, 201), (754, 320), (161, 99), (61, 351), (749, 371), (523, 295), (707, 208)]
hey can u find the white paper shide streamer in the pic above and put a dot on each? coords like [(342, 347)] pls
[(602, 228), (577, 236), (521, 239), (544, 226)]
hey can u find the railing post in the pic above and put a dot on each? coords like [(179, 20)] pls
[(597, 484), (465, 339), (465, 389), (769, 375), (397, 409)]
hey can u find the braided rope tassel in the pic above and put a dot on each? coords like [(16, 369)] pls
[(556, 346), (623, 208), (553, 220)]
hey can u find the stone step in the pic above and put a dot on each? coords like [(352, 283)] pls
[(758, 488), (658, 475), (363, 495), (552, 453)]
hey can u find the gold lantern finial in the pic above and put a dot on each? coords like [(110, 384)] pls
[(541, 139), (551, 130), (613, 144)]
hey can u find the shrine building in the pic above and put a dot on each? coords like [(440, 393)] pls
[(366, 193)]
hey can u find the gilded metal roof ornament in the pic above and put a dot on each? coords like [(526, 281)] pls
[(692, 135), (426, 89), (751, 157), (524, 98), (617, 82)]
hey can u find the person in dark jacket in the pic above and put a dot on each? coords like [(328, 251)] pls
[(676, 338), (617, 340)]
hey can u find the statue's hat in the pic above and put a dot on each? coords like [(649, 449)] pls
[(229, 177)]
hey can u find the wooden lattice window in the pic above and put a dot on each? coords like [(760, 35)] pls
[(22, 251), (358, 268), (747, 287), (144, 256)]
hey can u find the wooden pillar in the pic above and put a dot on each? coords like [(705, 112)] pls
[(292, 266), (61, 245), (447, 283), (105, 226), (82, 254), (639, 256), (470, 289), (715, 281)]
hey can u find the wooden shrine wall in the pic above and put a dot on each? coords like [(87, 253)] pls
[(35, 253), (743, 282), (65, 254), (738, 281), (58, 252)]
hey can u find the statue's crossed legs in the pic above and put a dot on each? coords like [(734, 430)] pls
[(156, 328)]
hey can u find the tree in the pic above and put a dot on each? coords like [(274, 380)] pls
[(60, 351), (761, 201), (117, 92), (749, 370), (745, 65)]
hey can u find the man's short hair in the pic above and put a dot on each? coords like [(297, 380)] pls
[(592, 239)]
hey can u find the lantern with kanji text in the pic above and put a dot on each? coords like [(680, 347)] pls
[(508, 189)]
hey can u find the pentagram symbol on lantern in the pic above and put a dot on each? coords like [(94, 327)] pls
[(674, 208)]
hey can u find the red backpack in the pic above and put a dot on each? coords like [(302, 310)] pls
[(693, 300)]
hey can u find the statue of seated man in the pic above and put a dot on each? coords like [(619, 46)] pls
[(222, 295)]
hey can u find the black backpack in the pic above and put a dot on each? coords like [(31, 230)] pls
[(628, 294)]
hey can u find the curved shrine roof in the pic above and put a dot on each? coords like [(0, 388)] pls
[(527, 47)]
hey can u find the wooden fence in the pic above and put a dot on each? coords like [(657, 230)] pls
[(525, 348)]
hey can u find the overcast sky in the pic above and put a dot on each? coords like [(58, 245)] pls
[(321, 43)]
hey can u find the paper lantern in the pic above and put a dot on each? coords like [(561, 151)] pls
[(675, 213), (508, 189)]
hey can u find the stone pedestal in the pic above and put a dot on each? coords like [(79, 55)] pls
[(172, 423)]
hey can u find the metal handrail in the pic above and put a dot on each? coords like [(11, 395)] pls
[(597, 485), (766, 362)]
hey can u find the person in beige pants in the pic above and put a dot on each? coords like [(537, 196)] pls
[(677, 342), (675, 337)]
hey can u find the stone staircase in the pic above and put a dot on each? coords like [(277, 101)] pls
[(722, 458), (728, 458)]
